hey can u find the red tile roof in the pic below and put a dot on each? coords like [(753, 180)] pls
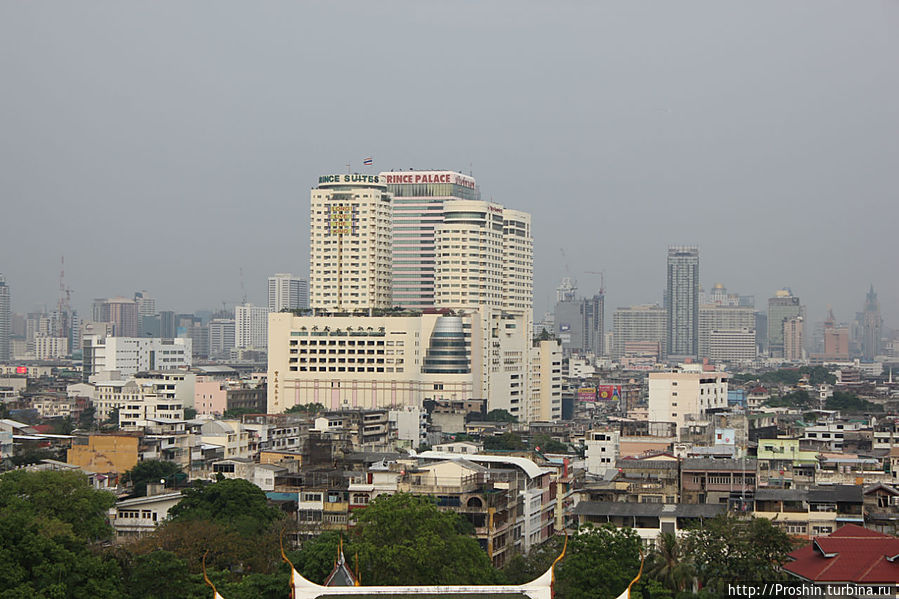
[(851, 554)]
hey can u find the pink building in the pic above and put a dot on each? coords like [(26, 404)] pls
[(210, 396)]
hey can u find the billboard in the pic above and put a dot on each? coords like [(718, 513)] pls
[(609, 393), (21, 370), (586, 393)]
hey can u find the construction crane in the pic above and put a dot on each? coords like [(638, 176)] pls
[(602, 280), (63, 307)]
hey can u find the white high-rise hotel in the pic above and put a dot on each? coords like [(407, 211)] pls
[(351, 243), (419, 240)]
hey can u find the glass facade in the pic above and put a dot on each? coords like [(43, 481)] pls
[(682, 301), (447, 350)]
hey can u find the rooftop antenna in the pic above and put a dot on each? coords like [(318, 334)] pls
[(243, 288)]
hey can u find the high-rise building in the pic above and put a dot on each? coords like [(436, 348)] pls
[(287, 292), (579, 323), (782, 306), (221, 338), (871, 326), (482, 271), (836, 339), (793, 339), (351, 236), (638, 326), (5, 322), (418, 204), (722, 318), (251, 323), (484, 257), (121, 312), (682, 301), (146, 305), (545, 402)]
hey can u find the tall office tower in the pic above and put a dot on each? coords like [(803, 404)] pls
[(287, 292), (167, 324), (782, 306), (639, 330), (418, 199), (5, 322), (836, 339), (682, 301), (578, 322), (121, 312), (146, 305), (221, 338), (351, 235), (871, 326), (722, 318), (251, 327), (793, 339), (518, 262)]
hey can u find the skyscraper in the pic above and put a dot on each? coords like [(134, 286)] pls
[(4, 320), (351, 235), (682, 301), (418, 199), (121, 312), (579, 324), (287, 292), (485, 257), (782, 306), (251, 327), (793, 339), (871, 325)]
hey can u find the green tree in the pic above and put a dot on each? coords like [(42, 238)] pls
[(600, 563), (190, 413), (499, 415), (234, 503), (508, 441), (48, 521), (161, 575), (406, 539), (236, 413), (151, 471), (59, 501), (547, 444), (669, 565), (728, 548), (87, 419)]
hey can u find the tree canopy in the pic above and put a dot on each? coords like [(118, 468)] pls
[(151, 471), (500, 415), (234, 503), (406, 539), (508, 441)]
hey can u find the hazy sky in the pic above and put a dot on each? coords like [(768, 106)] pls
[(168, 145)]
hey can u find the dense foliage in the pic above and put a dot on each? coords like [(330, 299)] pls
[(55, 543)]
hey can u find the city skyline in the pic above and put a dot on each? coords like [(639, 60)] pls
[(781, 172)]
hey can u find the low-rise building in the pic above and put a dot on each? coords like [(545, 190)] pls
[(140, 516)]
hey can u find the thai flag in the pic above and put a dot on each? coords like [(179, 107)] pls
[(368, 161)]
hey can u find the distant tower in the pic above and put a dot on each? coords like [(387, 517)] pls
[(782, 306), (682, 301), (287, 292), (4, 320), (871, 326)]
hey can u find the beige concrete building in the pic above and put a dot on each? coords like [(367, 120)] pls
[(793, 339), (638, 324), (350, 234), (732, 345), (673, 396), (546, 382), (713, 317)]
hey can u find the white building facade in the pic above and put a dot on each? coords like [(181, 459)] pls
[(130, 355), (251, 327), (287, 292), (351, 236), (675, 396)]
